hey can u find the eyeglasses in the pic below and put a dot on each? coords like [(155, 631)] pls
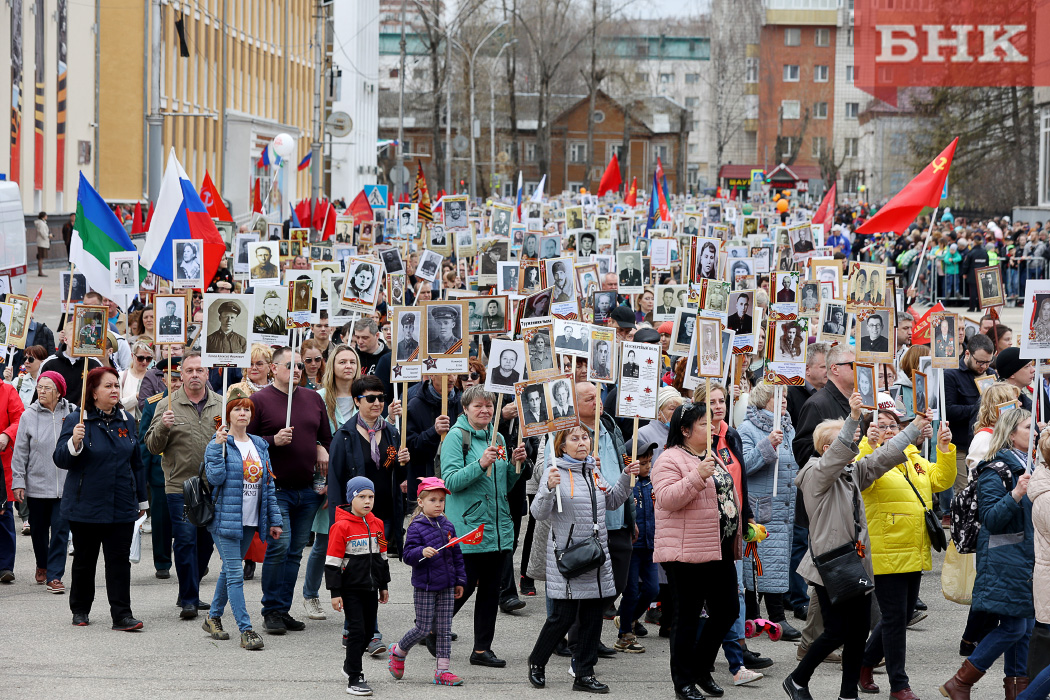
[(314, 360), (288, 365), (473, 376), (980, 363), (143, 358), (372, 398), (843, 364)]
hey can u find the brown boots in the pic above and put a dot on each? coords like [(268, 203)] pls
[(866, 683), (958, 687), (1014, 685)]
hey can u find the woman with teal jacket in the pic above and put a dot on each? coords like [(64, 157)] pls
[(479, 474)]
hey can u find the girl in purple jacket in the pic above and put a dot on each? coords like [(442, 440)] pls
[(438, 577)]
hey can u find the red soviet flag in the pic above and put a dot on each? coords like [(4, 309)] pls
[(213, 200), (923, 191), (257, 199), (360, 209), (611, 180), (825, 214)]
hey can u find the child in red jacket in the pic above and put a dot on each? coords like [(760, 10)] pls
[(357, 574)]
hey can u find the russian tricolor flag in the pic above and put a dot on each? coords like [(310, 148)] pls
[(180, 214)]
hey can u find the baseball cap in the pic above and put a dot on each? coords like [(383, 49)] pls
[(644, 445), (623, 316), (432, 483), (886, 403)]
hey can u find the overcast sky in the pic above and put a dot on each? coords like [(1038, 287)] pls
[(667, 8)]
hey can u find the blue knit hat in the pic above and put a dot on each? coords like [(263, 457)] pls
[(358, 484)]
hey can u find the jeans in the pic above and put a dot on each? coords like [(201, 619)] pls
[(281, 567), (1013, 275), (161, 535), (641, 589), (50, 534), (945, 498), (315, 566), (1009, 640), (712, 583), (951, 287), (230, 586), (115, 541), (1038, 687), (896, 594), (846, 625), (192, 548), (7, 537), (796, 596)]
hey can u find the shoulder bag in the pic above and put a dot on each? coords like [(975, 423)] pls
[(584, 555), (842, 569), (933, 525), (198, 499)]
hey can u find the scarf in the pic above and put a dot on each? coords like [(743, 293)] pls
[(763, 419), (373, 436)]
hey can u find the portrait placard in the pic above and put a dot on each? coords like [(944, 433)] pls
[(919, 384), (444, 336), (506, 366), (188, 256), (537, 305), (391, 258), (429, 265), (944, 344), (873, 335), (241, 257), (170, 314), (709, 347), (530, 279), (89, 329), (491, 252), (124, 271), (706, 257), (227, 322), (639, 380), (361, 285), (808, 297), (1035, 321), (832, 328), (867, 286), (309, 282), (864, 380), (784, 292), (406, 325), (19, 326), (741, 319), (539, 351), (536, 404), (629, 272), (488, 315), (740, 272), (602, 361), (572, 338), (262, 270), (344, 229), (989, 287), (507, 277)]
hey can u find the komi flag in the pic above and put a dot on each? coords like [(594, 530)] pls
[(98, 233), (180, 214)]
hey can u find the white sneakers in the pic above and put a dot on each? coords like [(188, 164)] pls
[(313, 609), (745, 675)]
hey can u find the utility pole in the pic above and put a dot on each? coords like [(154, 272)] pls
[(401, 108), (448, 110), (315, 145), (154, 122)]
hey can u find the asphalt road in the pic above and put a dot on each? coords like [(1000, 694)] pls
[(46, 657)]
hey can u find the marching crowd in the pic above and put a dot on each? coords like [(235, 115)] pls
[(738, 496)]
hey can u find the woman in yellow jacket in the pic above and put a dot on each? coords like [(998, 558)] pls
[(900, 545)]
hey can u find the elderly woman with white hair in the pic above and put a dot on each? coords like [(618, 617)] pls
[(762, 445), (667, 400)]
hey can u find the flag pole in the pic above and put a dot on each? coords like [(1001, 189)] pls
[(922, 253)]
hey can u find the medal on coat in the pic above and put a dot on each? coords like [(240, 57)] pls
[(725, 455)]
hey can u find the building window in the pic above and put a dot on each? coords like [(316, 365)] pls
[(694, 125), (791, 74), (820, 110), (820, 74), (577, 152), (394, 72), (852, 110), (792, 36), (789, 143), (850, 74), (692, 78), (849, 37), (661, 153), (852, 147), (790, 109), (1044, 158), (750, 70), (530, 152), (819, 144), (666, 78), (641, 77), (822, 37), (694, 149), (614, 149), (898, 144), (692, 101)]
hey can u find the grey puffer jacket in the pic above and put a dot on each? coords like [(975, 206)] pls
[(32, 460), (579, 480)]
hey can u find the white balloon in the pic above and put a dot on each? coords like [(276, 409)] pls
[(283, 145)]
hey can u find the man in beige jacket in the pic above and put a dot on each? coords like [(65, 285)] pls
[(181, 434)]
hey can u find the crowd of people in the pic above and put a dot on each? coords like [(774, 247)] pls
[(736, 496)]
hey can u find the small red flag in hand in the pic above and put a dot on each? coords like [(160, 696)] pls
[(472, 537)]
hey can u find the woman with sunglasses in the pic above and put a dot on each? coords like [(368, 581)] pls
[(25, 383), (339, 376), (131, 378), (256, 377), (313, 361), (369, 446)]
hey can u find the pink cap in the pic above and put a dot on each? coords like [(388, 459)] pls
[(431, 483)]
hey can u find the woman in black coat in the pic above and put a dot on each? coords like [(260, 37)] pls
[(105, 493)]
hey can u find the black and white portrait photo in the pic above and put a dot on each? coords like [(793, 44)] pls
[(629, 272), (559, 275), (833, 320), (226, 323), (123, 271), (550, 247), (271, 305), (864, 375), (538, 305), (361, 284), (487, 315), (263, 270), (406, 335), (429, 265), (391, 258), (571, 338), (534, 405), (604, 303), (529, 279), (506, 366), (438, 237), (444, 329), (789, 341), (188, 263), (454, 212), (407, 225), (492, 252), (561, 399), (599, 366), (170, 310), (739, 271), (501, 218), (540, 349), (530, 248), (741, 313), (875, 333)]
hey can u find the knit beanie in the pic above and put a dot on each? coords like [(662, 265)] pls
[(1009, 362), (356, 485), (60, 382)]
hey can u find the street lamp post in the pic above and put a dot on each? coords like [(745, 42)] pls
[(492, 112), (473, 143)]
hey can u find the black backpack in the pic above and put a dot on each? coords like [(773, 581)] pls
[(198, 500), (965, 524)]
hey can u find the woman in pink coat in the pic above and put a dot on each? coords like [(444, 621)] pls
[(698, 530)]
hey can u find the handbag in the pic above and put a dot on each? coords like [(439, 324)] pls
[(842, 569), (584, 555), (198, 501), (933, 525)]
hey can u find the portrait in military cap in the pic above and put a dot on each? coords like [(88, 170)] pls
[(226, 319), (444, 328), (171, 319)]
